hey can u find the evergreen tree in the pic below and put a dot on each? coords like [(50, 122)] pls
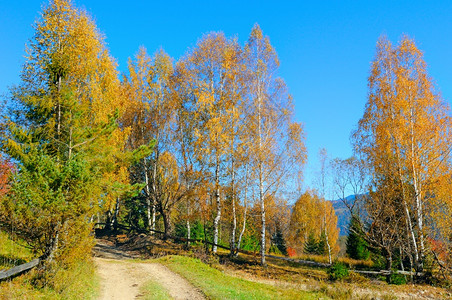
[(311, 244), (62, 134), (322, 248), (357, 247), (279, 241)]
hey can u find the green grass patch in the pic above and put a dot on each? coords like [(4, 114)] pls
[(12, 253), (152, 290), (217, 285)]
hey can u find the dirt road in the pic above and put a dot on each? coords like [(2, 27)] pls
[(122, 279)]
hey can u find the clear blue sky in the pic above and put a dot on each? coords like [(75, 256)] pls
[(325, 47)]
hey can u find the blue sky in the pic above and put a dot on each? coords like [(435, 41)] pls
[(325, 47)]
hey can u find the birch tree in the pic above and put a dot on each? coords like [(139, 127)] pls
[(209, 73), (277, 143), (405, 134), (151, 116)]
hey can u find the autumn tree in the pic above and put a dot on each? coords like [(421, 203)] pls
[(6, 169), (277, 144), (210, 73), (310, 214), (151, 117), (404, 134), (322, 182), (59, 132)]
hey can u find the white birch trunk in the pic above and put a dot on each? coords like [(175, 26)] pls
[(234, 216), (216, 222), (245, 200), (418, 198), (148, 198), (326, 234)]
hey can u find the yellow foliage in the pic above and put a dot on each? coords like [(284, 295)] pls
[(309, 215)]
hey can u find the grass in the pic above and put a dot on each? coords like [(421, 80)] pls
[(78, 282), (351, 263), (217, 285), (152, 290), (12, 253)]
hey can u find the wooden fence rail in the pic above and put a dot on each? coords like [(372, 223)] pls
[(17, 270)]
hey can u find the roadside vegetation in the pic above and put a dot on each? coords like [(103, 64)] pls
[(78, 282), (217, 285)]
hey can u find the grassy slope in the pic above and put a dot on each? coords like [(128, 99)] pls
[(80, 282), (217, 285)]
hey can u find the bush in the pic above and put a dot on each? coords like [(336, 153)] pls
[(337, 271), (397, 279)]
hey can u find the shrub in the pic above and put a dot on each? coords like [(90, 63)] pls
[(337, 271), (397, 279)]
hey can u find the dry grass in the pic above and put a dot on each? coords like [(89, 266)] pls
[(349, 262)]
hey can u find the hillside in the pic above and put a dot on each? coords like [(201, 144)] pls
[(342, 213)]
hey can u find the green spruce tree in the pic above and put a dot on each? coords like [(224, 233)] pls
[(62, 134), (311, 244), (321, 245), (278, 240), (356, 245)]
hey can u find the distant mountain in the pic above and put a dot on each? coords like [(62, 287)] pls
[(343, 214)]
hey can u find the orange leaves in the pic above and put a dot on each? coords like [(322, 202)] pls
[(405, 136), (6, 169)]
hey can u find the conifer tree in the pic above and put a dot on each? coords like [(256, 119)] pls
[(279, 241), (356, 244), (311, 244), (62, 134)]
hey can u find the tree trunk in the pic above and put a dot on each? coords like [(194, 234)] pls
[(216, 222), (388, 263), (234, 216), (154, 213), (166, 222), (245, 200), (261, 176), (418, 198), (108, 220), (53, 244), (261, 198), (188, 233), (242, 231), (149, 207), (326, 235), (154, 182), (115, 215)]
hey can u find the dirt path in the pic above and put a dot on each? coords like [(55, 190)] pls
[(122, 279)]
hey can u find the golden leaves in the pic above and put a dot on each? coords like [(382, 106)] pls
[(307, 217)]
